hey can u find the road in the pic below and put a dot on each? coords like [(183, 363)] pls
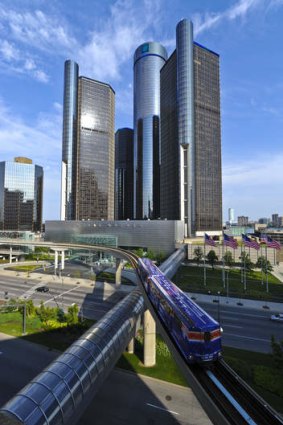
[(244, 327)]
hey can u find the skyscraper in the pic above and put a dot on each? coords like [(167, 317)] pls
[(88, 148), (21, 191), (190, 173), (124, 173), (148, 60)]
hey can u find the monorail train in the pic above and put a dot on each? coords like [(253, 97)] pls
[(196, 333)]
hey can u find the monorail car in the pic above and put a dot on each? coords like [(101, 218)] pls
[(196, 333)]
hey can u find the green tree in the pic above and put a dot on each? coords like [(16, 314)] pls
[(198, 255), (264, 264), (72, 317), (45, 313), (228, 259), (212, 258), (247, 262)]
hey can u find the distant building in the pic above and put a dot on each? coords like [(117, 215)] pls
[(275, 219), (263, 220), (231, 215), (243, 220), (190, 172), (124, 174), (21, 191), (87, 190)]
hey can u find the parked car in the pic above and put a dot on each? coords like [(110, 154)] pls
[(42, 289), (277, 317)]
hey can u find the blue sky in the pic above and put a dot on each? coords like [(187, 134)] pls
[(37, 36)]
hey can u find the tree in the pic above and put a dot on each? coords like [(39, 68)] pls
[(212, 258), (72, 315), (198, 255), (228, 259), (248, 264), (264, 264)]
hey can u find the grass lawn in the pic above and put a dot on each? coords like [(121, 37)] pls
[(190, 279), (258, 370), (23, 268)]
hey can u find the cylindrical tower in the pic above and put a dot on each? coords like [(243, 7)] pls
[(148, 60), (68, 176), (185, 105)]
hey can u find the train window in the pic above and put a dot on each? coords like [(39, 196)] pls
[(207, 336)]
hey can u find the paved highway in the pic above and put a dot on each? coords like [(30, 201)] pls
[(244, 327)]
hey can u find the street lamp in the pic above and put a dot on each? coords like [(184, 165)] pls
[(218, 307)]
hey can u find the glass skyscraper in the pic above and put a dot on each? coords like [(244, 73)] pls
[(88, 148), (148, 60), (21, 192), (124, 173), (190, 173)]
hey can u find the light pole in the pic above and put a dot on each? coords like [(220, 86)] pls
[(218, 307)]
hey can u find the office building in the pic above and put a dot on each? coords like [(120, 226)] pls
[(190, 174), (88, 161), (231, 215), (243, 220), (124, 173), (21, 191), (148, 60)]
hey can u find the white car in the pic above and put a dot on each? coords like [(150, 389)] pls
[(277, 317)]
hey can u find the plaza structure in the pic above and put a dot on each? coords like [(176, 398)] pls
[(21, 194), (148, 60), (88, 154), (124, 174), (190, 172)]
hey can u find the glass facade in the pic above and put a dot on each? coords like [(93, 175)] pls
[(208, 194), (148, 60), (124, 173), (95, 151), (21, 191), (191, 188), (88, 148), (68, 200)]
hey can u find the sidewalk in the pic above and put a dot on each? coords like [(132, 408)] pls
[(237, 302)]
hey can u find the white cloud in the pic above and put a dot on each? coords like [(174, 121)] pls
[(253, 187), (40, 141), (238, 10), (8, 51), (114, 42)]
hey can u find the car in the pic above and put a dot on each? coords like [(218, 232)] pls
[(42, 289), (277, 317)]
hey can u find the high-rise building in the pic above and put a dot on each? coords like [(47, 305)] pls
[(124, 173), (243, 220), (190, 173), (88, 160), (21, 192), (231, 215), (275, 220), (148, 60)]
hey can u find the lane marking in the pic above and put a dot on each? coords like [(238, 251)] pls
[(247, 337), (161, 408), (60, 295), (232, 326)]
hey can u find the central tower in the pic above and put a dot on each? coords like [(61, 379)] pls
[(148, 60)]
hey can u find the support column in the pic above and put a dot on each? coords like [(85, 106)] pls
[(149, 343), (131, 346), (119, 268), (10, 256), (62, 260), (56, 260)]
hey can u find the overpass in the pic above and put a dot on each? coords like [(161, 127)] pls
[(61, 392)]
